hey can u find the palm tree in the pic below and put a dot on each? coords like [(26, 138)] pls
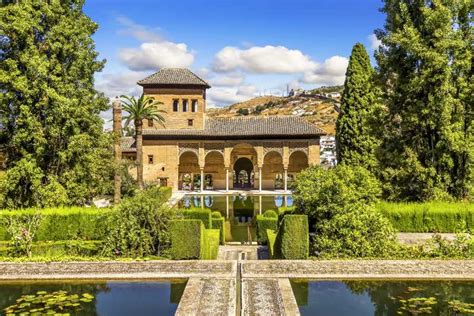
[(143, 108)]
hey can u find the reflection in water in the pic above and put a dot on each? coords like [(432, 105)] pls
[(239, 210), (111, 298), (365, 298)]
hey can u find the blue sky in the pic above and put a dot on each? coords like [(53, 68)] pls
[(243, 48)]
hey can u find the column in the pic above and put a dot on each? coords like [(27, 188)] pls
[(285, 179), (260, 179), (227, 179), (202, 179)]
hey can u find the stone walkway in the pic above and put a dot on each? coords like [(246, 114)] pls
[(242, 253), (241, 287)]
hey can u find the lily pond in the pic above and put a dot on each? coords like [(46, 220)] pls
[(366, 298), (238, 210), (91, 297)]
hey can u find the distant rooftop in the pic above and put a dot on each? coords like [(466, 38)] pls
[(174, 76)]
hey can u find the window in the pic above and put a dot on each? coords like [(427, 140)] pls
[(185, 105), (175, 105), (150, 159), (190, 122), (150, 123), (194, 105)]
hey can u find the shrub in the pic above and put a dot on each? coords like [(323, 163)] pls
[(55, 249), (219, 223), (339, 204), (63, 223), (216, 214), (441, 217), (271, 243), (202, 214), (139, 227), (211, 244), (22, 230), (270, 213), (263, 224), (294, 237), (187, 238)]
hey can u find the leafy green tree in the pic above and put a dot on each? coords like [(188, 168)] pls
[(57, 150), (143, 108), (425, 65), (343, 222), (356, 143)]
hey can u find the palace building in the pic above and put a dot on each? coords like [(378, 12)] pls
[(259, 153)]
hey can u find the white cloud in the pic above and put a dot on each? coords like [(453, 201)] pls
[(116, 84), (221, 96), (229, 80), (152, 56), (138, 31), (266, 59), (331, 72), (374, 41)]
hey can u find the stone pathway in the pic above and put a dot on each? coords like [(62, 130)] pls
[(242, 253)]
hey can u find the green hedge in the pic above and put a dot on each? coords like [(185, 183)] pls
[(202, 214), (272, 235), (167, 192), (59, 248), (187, 238), (64, 223), (211, 244), (294, 234), (219, 223), (264, 224), (438, 217)]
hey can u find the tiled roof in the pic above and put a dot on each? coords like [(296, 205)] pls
[(176, 76), (283, 126), (128, 144)]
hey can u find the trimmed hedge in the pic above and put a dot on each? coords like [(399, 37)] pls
[(263, 224), (436, 217), (272, 235), (64, 223), (187, 238), (191, 240), (59, 248), (202, 214), (211, 244), (219, 223), (294, 236)]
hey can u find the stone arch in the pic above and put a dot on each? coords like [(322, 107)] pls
[(272, 171), (247, 151), (214, 170), (243, 168), (298, 161), (188, 170)]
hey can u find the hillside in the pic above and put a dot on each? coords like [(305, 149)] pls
[(315, 107)]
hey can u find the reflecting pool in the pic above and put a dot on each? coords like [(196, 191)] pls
[(366, 298), (109, 297), (238, 210)]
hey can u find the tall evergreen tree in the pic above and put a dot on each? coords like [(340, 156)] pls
[(425, 63), (57, 150), (355, 140)]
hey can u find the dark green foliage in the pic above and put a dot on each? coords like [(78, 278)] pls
[(339, 204), (425, 65), (294, 237), (440, 217), (187, 238), (219, 223), (265, 223), (57, 151), (59, 248), (64, 223), (139, 227), (202, 214), (356, 142), (243, 111)]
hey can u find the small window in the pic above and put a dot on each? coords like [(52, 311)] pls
[(185, 105), (194, 105), (150, 123), (175, 105), (190, 122), (150, 159)]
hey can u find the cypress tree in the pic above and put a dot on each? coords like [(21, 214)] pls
[(57, 150), (425, 64), (355, 142)]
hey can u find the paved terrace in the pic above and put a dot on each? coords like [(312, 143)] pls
[(241, 287)]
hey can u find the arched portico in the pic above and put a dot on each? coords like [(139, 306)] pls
[(214, 171), (243, 173), (243, 165), (298, 161), (188, 170), (273, 171)]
